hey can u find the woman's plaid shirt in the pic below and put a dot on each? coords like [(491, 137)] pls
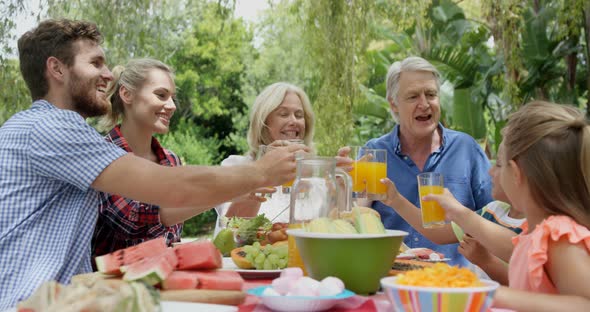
[(124, 222)]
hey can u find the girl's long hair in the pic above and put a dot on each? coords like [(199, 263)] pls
[(551, 142)]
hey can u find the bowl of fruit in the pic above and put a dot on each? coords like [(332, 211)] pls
[(267, 257), (357, 250)]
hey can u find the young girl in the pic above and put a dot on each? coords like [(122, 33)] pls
[(546, 174), (490, 229)]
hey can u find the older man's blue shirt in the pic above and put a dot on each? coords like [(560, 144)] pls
[(465, 170)]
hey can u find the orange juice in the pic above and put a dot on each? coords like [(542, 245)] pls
[(294, 258), (432, 213), (359, 176), (375, 172)]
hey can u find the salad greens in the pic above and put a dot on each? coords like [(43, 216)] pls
[(247, 229)]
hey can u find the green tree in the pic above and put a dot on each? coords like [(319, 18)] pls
[(280, 54), (546, 55), (135, 28), (335, 40), (14, 95), (210, 75)]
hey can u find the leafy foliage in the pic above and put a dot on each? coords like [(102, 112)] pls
[(335, 39), (198, 152), (210, 70), (280, 54), (14, 95)]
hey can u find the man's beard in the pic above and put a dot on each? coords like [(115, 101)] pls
[(84, 100)]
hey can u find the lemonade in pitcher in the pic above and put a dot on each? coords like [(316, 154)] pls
[(314, 195)]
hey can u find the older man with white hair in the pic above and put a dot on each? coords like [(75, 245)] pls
[(420, 143)]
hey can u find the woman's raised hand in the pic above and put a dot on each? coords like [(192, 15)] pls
[(278, 164), (343, 160)]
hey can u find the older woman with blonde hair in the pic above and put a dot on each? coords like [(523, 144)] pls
[(273, 105), (281, 112)]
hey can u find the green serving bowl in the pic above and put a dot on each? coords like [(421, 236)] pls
[(359, 260)]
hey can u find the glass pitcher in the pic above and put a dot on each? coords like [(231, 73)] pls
[(316, 193)]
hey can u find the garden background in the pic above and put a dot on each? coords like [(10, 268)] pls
[(494, 55)]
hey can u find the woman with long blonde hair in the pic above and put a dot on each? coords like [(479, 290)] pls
[(142, 104), (281, 112)]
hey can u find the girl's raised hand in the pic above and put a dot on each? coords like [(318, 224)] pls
[(453, 208), (473, 250), (393, 197)]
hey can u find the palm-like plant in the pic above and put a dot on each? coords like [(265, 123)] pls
[(543, 55)]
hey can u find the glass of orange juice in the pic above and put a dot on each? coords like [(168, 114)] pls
[(358, 174), (375, 169), (433, 215)]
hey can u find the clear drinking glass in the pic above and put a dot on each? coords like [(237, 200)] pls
[(433, 215), (375, 168), (262, 149), (357, 174), (369, 167), (298, 156)]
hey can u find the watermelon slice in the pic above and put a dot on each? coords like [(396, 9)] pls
[(219, 279), (151, 270), (199, 255), (112, 262), (181, 280)]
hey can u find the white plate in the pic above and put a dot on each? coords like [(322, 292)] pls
[(176, 306), (299, 303), (228, 264)]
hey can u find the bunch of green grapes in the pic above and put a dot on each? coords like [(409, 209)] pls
[(268, 257)]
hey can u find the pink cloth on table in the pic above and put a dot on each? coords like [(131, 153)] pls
[(526, 270), (355, 303)]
